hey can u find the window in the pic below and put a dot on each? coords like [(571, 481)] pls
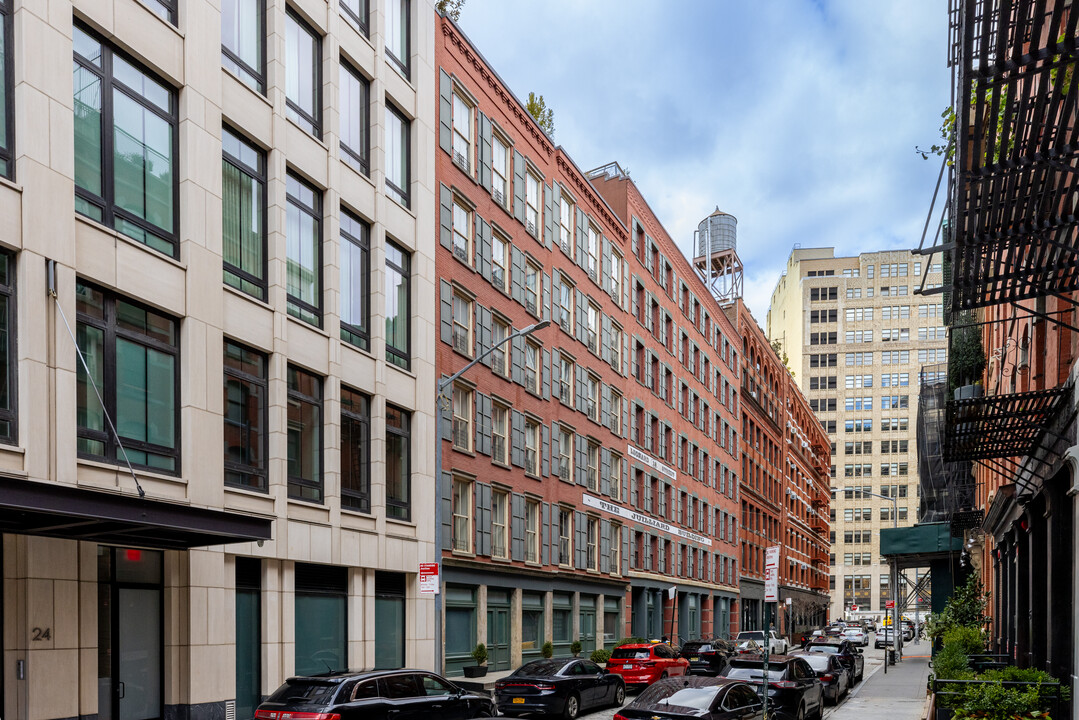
[(532, 287), (615, 399), (398, 155), (398, 463), (500, 505), (565, 305), (616, 277), (398, 307), (565, 534), (499, 253), (592, 328), (357, 13), (532, 201), (615, 347), (462, 233), (499, 170), (532, 441), (615, 477), (566, 440), (303, 235), (243, 27), (565, 222), (462, 515), (593, 401), (592, 257), (303, 74), (7, 114), (355, 450), (243, 214), (125, 146), (532, 531), (304, 435), (245, 420), (355, 280), (462, 133), (132, 353), (398, 45), (592, 545), (593, 467), (499, 435), (462, 418), (500, 355), (565, 382), (462, 324), (532, 367), (354, 103)]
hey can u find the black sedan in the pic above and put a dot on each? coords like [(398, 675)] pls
[(699, 698), (833, 676), (377, 695), (793, 686), (558, 686), (848, 654), (707, 657)]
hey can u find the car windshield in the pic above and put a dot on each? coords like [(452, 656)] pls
[(696, 647), (305, 691), (629, 653), (751, 635), (823, 648), (696, 698), (754, 673), (541, 668), (818, 662)]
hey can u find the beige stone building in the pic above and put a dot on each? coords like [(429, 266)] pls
[(228, 207), (857, 338)]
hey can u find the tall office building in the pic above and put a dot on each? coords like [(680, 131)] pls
[(857, 337), (226, 208)]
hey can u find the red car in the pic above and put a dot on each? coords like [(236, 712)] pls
[(644, 663)]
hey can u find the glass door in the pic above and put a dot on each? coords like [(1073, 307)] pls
[(130, 634)]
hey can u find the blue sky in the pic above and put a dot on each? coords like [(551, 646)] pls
[(799, 117)]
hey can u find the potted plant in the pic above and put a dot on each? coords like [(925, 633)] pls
[(479, 654), (600, 656), (547, 650), (575, 648)]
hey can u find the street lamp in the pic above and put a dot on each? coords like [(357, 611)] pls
[(442, 399), (896, 635)]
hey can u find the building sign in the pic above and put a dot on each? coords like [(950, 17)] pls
[(429, 578), (771, 574), (651, 462), (610, 507)]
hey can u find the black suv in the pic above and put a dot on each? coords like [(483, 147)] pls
[(793, 686), (373, 695), (707, 657), (848, 654)]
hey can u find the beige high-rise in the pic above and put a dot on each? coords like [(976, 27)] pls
[(857, 337), (296, 549)]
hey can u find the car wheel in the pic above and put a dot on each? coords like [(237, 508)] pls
[(801, 714), (619, 695), (573, 707)]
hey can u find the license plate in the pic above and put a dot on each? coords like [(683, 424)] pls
[(628, 667), (694, 659), (518, 701)]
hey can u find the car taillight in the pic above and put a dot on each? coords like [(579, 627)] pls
[(620, 716), (784, 684), (828, 677), (289, 715)]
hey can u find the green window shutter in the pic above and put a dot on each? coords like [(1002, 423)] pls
[(445, 112), (548, 216), (518, 186), (445, 217), (484, 149), (446, 312)]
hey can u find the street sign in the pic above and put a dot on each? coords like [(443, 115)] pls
[(429, 580), (890, 605), (771, 574), (854, 608)]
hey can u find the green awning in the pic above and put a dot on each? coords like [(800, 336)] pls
[(918, 545)]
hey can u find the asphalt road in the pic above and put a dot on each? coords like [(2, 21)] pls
[(874, 659)]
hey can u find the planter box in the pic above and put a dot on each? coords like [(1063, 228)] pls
[(475, 671), (968, 392)]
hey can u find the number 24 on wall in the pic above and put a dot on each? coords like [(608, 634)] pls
[(40, 634)]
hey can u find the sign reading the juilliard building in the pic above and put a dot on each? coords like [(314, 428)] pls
[(609, 507)]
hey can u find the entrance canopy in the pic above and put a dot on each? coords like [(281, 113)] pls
[(65, 511), (918, 545)]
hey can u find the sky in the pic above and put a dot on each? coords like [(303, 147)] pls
[(799, 117)]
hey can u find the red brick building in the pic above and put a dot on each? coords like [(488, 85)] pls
[(561, 519), (784, 489), (684, 417)]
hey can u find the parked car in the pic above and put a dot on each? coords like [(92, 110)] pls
[(707, 657), (809, 635), (884, 638), (373, 695), (747, 638), (558, 686), (793, 685), (834, 630), (644, 663), (857, 636), (698, 698), (850, 656), (835, 678), (908, 630)]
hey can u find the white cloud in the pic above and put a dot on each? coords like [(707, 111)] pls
[(799, 118)]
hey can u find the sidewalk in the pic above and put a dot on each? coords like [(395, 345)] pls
[(899, 695)]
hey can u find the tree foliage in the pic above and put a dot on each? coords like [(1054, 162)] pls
[(450, 8), (778, 347), (543, 115)]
